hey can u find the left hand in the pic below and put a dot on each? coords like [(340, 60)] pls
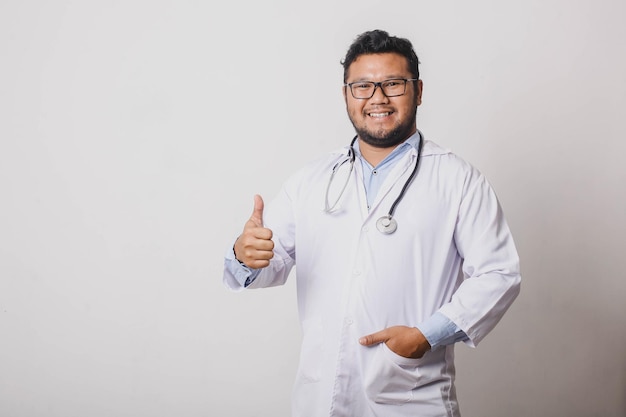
[(402, 340)]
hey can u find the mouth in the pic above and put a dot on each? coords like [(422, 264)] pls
[(380, 115)]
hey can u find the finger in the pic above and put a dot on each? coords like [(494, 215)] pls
[(260, 255), (259, 264), (254, 247), (256, 232), (263, 241), (257, 212), (374, 338)]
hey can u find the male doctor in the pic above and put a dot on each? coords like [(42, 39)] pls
[(401, 249)]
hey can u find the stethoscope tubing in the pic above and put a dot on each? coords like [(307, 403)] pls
[(351, 158), (410, 179)]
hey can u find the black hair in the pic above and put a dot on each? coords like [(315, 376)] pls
[(379, 42)]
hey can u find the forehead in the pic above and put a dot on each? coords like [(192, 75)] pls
[(378, 67)]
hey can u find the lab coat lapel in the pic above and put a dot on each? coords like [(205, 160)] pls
[(360, 187)]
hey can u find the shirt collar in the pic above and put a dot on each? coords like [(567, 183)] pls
[(412, 141)]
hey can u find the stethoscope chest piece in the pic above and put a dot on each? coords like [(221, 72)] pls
[(387, 225)]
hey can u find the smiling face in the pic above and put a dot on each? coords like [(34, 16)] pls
[(381, 121)]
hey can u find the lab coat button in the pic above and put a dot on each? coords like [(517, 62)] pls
[(366, 229), (357, 272), (349, 321)]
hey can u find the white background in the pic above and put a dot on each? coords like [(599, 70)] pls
[(133, 135)]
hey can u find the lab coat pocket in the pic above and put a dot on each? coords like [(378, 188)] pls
[(391, 378)]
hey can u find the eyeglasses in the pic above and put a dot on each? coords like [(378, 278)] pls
[(391, 88)]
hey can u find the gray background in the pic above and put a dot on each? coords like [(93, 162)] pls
[(133, 135)]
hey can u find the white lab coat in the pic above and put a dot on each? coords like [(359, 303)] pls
[(353, 280)]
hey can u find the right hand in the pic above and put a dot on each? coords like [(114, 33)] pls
[(255, 247)]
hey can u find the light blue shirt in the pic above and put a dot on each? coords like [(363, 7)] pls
[(438, 329), (373, 177)]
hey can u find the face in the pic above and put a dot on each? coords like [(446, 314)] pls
[(382, 121)]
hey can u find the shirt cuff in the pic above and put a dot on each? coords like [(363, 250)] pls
[(439, 330), (243, 274)]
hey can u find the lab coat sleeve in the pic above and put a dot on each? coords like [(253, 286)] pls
[(490, 262)]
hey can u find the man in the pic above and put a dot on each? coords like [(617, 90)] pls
[(401, 247)]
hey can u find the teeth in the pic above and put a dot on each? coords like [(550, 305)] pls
[(379, 114)]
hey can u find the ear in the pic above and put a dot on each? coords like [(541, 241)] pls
[(420, 88)]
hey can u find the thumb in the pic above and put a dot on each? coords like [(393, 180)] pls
[(374, 338), (257, 212)]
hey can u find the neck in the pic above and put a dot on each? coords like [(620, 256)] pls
[(373, 149), (374, 155)]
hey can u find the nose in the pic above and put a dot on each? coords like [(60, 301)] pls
[(379, 95)]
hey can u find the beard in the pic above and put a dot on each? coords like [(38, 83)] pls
[(387, 138)]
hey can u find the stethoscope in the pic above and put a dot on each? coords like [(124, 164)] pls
[(386, 224)]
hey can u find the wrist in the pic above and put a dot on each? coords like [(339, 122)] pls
[(235, 253)]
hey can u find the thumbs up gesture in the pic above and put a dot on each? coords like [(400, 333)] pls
[(255, 247)]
